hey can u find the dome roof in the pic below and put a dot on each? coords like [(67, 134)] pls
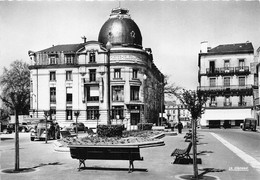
[(120, 30)]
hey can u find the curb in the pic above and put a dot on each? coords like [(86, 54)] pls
[(59, 148)]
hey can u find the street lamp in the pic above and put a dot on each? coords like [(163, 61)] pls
[(46, 114), (108, 46), (76, 113)]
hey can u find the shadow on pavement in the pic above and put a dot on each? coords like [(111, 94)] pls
[(49, 164), (208, 170), (4, 138), (112, 169), (204, 152)]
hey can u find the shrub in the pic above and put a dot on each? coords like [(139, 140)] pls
[(110, 130), (144, 126)]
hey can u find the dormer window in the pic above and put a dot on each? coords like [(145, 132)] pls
[(69, 59), (92, 57), (53, 60)]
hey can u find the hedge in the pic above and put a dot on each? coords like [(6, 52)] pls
[(110, 130), (144, 126)]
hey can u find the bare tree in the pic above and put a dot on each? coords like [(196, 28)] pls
[(171, 89), (15, 86)]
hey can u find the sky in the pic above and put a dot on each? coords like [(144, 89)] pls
[(172, 29)]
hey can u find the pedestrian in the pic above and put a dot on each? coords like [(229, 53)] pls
[(57, 131), (180, 126)]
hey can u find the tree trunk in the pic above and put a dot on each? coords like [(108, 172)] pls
[(194, 146), (16, 141)]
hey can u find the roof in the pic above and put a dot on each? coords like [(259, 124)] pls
[(233, 48), (63, 48)]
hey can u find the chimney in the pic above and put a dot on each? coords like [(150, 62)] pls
[(204, 47)]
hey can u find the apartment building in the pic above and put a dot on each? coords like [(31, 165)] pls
[(227, 75)]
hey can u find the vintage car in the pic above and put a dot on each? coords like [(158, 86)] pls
[(39, 132), (72, 127), (249, 123)]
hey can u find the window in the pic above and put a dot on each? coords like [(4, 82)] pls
[(69, 114), (134, 93), (135, 72), (117, 112), (213, 101), (92, 57), (69, 95), (92, 75), (69, 59), (118, 93), (227, 101), (93, 112), (92, 93), (211, 66), (242, 81), (241, 63), (226, 81), (212, 82), (226, 64), (241, 101), (68, 75), (117, 73), (52, 76), (53, 95), (53, 60)]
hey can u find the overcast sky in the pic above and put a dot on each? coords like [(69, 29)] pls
[(173, 29)]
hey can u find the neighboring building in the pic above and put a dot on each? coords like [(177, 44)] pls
[(74, 77), (227, 75), (176, 112)]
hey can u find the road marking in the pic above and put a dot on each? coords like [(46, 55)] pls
[(245, 157)]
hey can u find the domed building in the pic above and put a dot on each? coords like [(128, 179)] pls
[(114, 74)]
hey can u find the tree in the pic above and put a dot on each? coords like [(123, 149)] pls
[(15, 86), (170, 89), (194, 101)]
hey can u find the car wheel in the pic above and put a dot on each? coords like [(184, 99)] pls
[(32, 138)]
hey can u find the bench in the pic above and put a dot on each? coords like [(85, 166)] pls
[(102, 152), (182, 153), (65, 134)]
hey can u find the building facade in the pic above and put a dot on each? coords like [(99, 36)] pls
[(113, 79), (227, 75)]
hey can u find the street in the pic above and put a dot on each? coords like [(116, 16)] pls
[(217, 159)]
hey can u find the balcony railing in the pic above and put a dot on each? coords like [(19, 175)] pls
[(235, 90), (241, 103), (227, 70), (213, 104)]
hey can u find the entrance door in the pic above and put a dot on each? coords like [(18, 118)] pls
[(135, 118)]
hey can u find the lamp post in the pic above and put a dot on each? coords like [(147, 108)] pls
[(46, 114), (76, 113), (108, 46)]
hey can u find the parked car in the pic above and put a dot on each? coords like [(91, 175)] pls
[(11, 128), (72, 127), (249, 123), (40, 131)]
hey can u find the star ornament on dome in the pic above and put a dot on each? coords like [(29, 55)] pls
[(132, 33)]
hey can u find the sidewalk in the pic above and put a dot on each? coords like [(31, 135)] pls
[(217, 161)]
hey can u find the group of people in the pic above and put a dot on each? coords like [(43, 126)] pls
[(55, 130)]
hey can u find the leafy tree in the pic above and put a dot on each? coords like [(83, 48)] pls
[(15, 86), (194, 101)]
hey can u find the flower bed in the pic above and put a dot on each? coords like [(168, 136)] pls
[(139, 138)]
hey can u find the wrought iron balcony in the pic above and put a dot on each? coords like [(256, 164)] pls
[(232, 90), (213, 104), (240, 70), (242, 103)]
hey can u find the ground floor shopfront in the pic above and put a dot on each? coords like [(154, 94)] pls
[(226, 118)]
